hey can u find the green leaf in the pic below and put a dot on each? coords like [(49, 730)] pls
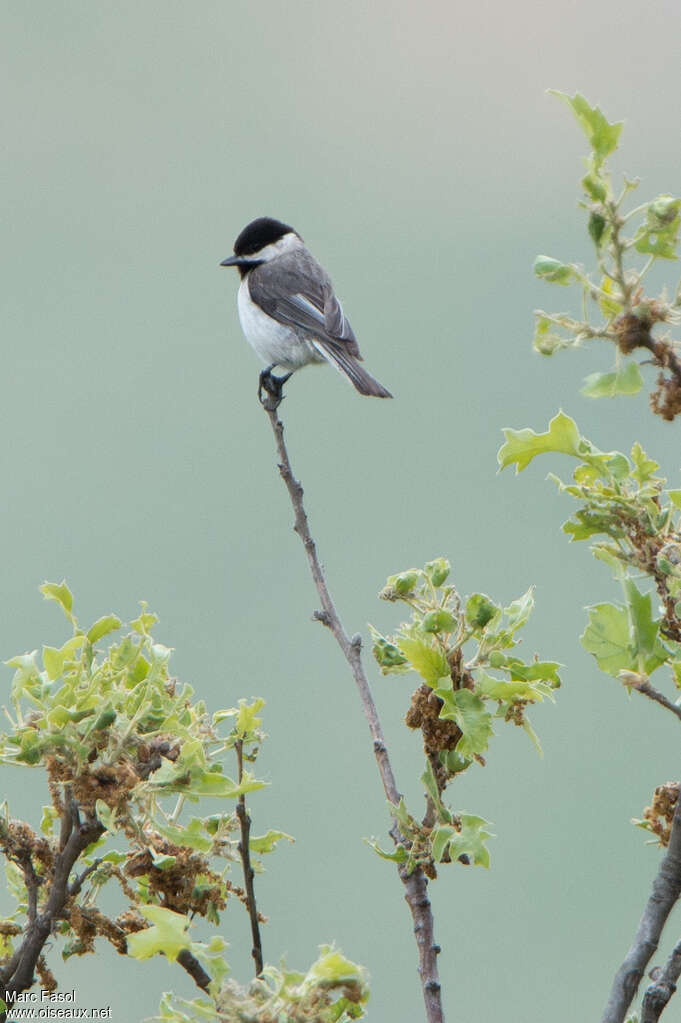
[(332, 969), (519, 611), (437, 571), (167, 935), (659, 236), (429, 661), (162, 861), (146, 620), (480, 610), (536, 671), (61, 594), (400, 585), (219, 786), (54, 659), (439, 621), (607, 637), (105, 815), (533, 736), (523, 445), (430, 784), (602, 135), (469, 840), (191, 834), (609, 305), (453, 761), (387, 654), (247, 718), (105, 719), (468, 710), (397, 855), (507, 692), (625, 380), (644, 631), (49, 818), (267, 843), (552, 270), (595, 187), (103, 627), (596, 227), (644, 467), (546, 340)]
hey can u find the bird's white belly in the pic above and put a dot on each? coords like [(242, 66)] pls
[(273, 342)]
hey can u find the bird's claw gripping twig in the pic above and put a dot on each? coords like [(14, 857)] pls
[(271, 389)]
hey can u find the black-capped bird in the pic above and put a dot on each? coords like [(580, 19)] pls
[(288, 310)]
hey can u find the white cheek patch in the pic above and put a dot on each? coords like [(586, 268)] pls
[(287, 243)]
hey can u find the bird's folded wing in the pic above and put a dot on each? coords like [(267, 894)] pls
[(302, 301)]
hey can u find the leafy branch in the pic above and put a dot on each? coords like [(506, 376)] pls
[(462, 652), (125, 748), (615, 306), (634, 524)]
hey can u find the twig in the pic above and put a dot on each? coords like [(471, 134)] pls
[(194, 968), (82, 878), (655, 694), (662, 988), (249, 874), (665, 892), (416, 883)]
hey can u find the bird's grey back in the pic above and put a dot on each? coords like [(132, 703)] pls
[(294, 289)]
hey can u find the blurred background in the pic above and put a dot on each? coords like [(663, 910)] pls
[(415, 149)]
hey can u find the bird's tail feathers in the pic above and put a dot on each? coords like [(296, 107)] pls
[(348, 365)]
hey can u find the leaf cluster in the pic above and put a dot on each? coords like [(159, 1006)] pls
[(615, 306), (465, 652), (334, 990), (126, 749), (634, 523)]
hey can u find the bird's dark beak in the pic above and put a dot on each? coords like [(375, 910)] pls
[(235, 261)]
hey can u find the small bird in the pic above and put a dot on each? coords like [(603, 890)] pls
[(288, 310)]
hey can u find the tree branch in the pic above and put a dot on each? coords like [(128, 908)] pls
[(655, 694), (244, 852), (416, 883), (662, 988), (665, 892), (75, 838), (194, 968)]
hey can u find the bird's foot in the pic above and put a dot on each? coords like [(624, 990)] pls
[(271, 389)]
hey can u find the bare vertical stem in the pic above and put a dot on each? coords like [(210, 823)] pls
[(416, 883), (663, 987), (245, 853), (664, 895)]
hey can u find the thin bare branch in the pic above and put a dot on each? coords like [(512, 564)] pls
[(655, 694), (664, 895), (416, 883), (82, 878), (249, 874), (663, 987)]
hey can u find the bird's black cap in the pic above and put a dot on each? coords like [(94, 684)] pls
[(259, 233)]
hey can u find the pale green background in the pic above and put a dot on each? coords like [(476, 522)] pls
[(415, 149)]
